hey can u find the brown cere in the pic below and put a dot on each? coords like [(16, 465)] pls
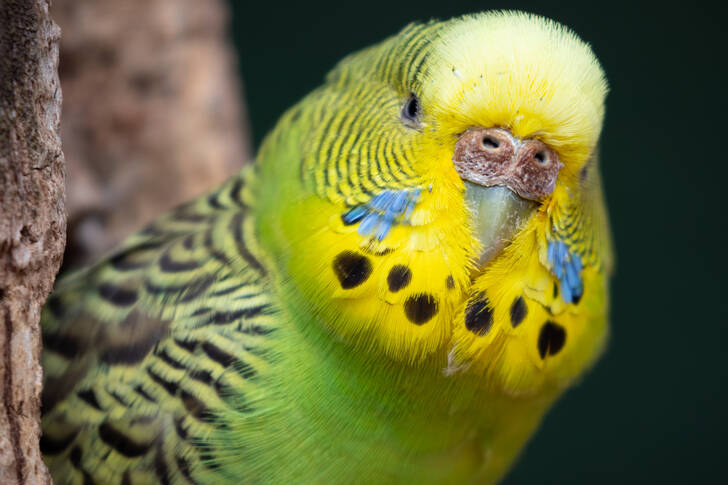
[(491, 156)]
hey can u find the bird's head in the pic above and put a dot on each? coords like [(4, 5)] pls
[(439, 198)]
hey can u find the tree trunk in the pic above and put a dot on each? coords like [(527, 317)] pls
[(152, 115), (32, 223)]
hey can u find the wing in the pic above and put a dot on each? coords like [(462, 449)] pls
[(144, 352)]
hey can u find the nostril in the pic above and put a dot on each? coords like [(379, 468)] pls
[(540, 157), (490, 142)]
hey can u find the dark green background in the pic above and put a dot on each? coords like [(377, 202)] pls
[(653, 410)]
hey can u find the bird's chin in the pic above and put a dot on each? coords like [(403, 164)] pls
[(497, 213)]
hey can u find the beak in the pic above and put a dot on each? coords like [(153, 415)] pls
[(496, 213), (505, 179)]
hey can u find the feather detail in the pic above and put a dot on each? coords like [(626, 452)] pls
[(377, 217)]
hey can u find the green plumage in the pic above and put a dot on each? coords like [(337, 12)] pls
[(321, 317), (143, 350), (166, 363)]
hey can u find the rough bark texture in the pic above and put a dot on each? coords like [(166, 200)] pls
[(32, 223), (152, 114)]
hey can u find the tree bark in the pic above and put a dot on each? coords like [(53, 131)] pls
[(152, 116), (32, 223)]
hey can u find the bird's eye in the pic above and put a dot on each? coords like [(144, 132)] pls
[(411, 112)]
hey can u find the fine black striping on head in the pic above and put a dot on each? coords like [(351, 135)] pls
[(352, 269), (551, 339), (519, 310), (478, 315), (120, 442), (420, 308), (450, 282), (117, 295), (399, 277)]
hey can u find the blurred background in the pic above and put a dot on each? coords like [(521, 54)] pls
[(653, 410)]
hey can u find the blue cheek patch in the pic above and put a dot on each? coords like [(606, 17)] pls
[(382, 212), (566, 266)]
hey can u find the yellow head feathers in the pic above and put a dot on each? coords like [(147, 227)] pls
[(518, 71), (375, 235)]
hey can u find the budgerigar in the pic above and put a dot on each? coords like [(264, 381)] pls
[(398, 288)]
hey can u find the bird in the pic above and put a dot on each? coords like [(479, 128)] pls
[(396, 290)]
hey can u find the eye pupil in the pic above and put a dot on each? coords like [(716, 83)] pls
[(411, 111), (540, 157), (412, 108)]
